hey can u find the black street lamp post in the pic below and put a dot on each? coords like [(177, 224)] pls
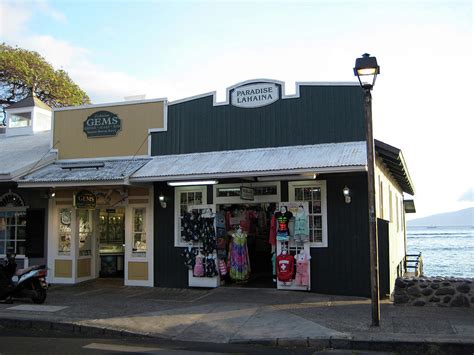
[(366, 70)]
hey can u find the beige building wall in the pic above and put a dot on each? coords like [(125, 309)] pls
[(136, 119)]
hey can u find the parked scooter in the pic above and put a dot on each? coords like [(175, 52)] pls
[(22, 283)]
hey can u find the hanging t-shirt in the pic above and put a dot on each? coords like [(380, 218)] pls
[(285, 267), (282, 221)]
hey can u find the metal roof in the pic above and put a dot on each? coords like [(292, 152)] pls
[(333, 157), (29, 102), (395, 162), (75, 173), (23, 153)]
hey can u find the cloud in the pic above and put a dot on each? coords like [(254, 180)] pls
[(98, 82), (47, 9), (468, 195)]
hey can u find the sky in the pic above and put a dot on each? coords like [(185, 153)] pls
[(422, 101)]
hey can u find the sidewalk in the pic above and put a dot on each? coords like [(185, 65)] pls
[(239, 315)]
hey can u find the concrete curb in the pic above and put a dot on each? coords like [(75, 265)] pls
[(431, 345)]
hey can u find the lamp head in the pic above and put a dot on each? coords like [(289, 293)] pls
[(366, 69)]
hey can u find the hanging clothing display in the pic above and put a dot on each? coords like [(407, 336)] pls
[(285, 267), (199, 266), (239, 263), (302, 269), (301, 226), (283, 219), (273, 231)]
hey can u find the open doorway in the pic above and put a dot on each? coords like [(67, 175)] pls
[(253, 219), (111, 227)]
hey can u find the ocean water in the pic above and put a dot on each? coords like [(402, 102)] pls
[(446, 251)]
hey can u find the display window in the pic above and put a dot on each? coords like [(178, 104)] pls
[(85, 232), (64, 241), (185, 197), (139, 232), (314, 193)]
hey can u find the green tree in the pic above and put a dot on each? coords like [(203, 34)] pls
[(24, 73)]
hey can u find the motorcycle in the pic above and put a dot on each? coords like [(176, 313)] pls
[(22, 283)]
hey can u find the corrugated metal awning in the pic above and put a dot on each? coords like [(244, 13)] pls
[(334, 157), (83, 173)]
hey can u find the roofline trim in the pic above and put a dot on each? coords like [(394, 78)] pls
[(298, 84), (325, 170), (118, 103)]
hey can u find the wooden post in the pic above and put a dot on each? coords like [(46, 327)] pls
[(374, 249)]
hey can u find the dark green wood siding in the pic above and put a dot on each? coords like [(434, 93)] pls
[(343, 267), (322, 114), (169, 269)]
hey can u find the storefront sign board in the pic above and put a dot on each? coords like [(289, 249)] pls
[(102, 124), (85, 200), (255, 95), (247, 193)]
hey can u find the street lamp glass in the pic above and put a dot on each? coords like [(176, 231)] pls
[(366, 70)]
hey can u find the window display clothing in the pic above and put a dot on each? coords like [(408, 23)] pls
[(239, 263), (283, 220), (302, 269), (199, 267), (273, 231), (285, 267), (301, 226)]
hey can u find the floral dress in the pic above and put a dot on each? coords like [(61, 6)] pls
[(239, 269)]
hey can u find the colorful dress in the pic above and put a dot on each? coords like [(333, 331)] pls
[(239, 258)]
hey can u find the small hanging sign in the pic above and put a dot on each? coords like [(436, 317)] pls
[(85, 200), (247, 193)]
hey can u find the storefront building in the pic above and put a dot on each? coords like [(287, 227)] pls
[(241, 160), (25, 147), (99, 223)]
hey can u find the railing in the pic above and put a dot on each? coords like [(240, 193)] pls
[(414, 264)]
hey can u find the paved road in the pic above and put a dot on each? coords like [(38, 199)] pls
[(52, 343)]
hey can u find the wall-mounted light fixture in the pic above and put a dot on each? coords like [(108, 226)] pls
[(347, 194), (192, 183), (161, 198)]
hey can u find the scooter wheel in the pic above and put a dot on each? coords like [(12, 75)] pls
[(40, 292)]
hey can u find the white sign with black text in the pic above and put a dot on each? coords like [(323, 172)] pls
[(255, 95)]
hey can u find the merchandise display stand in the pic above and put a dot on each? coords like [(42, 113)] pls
[(293, 248), (209, 282)]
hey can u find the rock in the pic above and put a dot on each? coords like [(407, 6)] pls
[(400, 283), (446, 283), (400, 298), (459, 301), (435, 299), (419, 303), (423, 285), (427, 291), (444, 291), (434, 286), (463, 288), (414, 291), (446, 299)]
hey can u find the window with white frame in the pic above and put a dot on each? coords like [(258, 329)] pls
[(12, 232), (313, 192), (64, 231), (139, 232), (22, 119), (184, 197), (262, 192), (85, 232)]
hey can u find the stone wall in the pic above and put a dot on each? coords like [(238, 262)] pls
[(434, 291)]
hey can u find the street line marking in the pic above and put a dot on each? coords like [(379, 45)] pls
[(37, 308), (121, 348)]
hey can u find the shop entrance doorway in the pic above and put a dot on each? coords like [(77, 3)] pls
[(111, 227), (253, 219)]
